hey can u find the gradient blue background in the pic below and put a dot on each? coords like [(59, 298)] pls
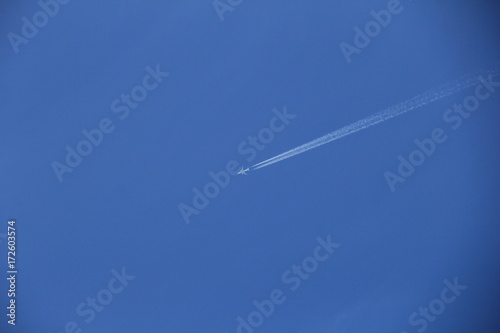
[(119, 208)]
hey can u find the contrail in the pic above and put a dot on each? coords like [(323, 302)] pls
[(381, 116)]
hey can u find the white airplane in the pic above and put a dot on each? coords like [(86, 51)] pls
[(243, 171)]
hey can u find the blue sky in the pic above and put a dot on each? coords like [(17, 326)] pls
[(118, 210)]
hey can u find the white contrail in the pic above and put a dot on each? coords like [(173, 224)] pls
[(391, 112)]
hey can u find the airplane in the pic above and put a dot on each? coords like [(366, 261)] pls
[(243, 171)]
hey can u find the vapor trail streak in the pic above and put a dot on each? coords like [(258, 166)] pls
[(391, 112)]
